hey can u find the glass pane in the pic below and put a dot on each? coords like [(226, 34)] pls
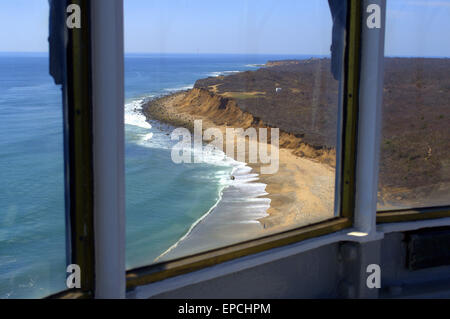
[(208, 67), (32, 219), (415, 145)]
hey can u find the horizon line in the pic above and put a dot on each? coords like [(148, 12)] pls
[(216, 53), (230, 53)]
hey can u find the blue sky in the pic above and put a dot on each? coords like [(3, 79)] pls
[(414, 27), (232, 26), (418, 28)]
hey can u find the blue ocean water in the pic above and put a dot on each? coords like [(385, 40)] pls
[(32, 227), (163, 200)]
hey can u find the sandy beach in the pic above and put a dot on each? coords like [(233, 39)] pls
[(301, 192)]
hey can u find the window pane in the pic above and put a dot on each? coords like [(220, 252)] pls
[(415, 145), (210, 67), (32, 226)]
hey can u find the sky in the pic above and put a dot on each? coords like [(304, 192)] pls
[(232, 26), (418, 28), (414, 27)]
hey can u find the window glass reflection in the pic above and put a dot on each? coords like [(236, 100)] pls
[(415, 144), (32, 218), (202, 69)]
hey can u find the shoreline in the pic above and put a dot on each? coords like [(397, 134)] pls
[(300, 193), (195, 224), (220, 223), (137, 118), (243, 176)]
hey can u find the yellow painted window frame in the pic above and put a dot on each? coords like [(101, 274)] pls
[(78, 122), (78, 148), (412, 214), (79, 112), (153, 273)]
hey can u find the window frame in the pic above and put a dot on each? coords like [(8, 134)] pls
[(79, 127), (74, 66), (412, 214), (94, 192), (78, 108), (79, 140), (347, 185)]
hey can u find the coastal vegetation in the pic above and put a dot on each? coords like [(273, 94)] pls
[(300, 98)]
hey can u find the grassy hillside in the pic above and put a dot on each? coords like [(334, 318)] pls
[(300, 97)]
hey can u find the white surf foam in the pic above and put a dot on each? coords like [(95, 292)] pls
[(147, 137), (240, 204), (222, 73), (234, 216), (133, 113), (254, 65), (31, 88), (182, 88)]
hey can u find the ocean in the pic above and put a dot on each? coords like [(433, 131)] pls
[(172, 210)]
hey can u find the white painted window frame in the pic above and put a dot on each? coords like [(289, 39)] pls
[(109, 158)]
